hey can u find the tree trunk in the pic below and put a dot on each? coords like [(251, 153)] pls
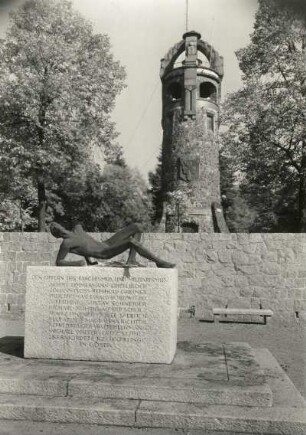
[(42, 203), (42, 200), (302, 191)]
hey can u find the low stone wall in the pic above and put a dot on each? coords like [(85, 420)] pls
[(214, 269)]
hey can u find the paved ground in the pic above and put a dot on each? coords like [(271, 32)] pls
[(286, 342)]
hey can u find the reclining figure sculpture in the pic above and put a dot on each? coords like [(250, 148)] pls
[(80, 243)]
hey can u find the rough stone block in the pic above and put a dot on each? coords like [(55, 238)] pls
[(250, 249), (3, 299), (14, 246), (26, 256), (271, 268), (224, 256), (248, 270), (285, 394), (71, 410), (6, 237), (19, 383), (185, 391), (223, 271), (243, 239), (101, 313), (15, 237), (11, 298), (241, 258), (247, 420), (242, 365), (7, 256)]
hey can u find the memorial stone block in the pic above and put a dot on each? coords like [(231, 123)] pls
[(101, 314)]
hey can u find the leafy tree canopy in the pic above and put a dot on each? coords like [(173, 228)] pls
[(265, 140), (104, 201), (58, 83)]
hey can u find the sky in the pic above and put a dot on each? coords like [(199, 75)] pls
[(141, 33)]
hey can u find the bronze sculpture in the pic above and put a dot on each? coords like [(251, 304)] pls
[(80, 243)]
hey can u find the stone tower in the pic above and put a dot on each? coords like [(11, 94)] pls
[(191, 75)]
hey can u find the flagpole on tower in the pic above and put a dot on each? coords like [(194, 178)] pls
[(187, 15)]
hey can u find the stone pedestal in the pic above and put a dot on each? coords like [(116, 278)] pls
[(227, 388), (101, 314)]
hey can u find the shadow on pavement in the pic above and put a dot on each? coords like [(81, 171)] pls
[(11, 345)]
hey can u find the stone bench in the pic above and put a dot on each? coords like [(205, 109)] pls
[(242, 312)]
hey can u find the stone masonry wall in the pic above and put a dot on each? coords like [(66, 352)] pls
[(214, 269), (189, 145)]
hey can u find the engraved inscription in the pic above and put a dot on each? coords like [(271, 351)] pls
[(101, 313), (78, 303)]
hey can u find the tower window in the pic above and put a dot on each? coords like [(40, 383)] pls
[(208, 90), (210, 120), (174, 91)]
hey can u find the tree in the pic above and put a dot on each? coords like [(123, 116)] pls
[(266, 135), (58, 83), (104, 201), (15, 215), (155, 181), (239, 214), (17, 200)]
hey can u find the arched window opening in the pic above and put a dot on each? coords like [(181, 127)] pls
[(208, 90), (174, 91), (179, 61), (204, 62)]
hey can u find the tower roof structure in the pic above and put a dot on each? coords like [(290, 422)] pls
[(213, 57)]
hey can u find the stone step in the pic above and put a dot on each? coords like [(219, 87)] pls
[(286, 416), (153, 414), (175, 390), (207, 373), (248, 420), (68, 410), (185, 391)]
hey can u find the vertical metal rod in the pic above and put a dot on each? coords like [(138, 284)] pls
[(211, 38), (187, 15)]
